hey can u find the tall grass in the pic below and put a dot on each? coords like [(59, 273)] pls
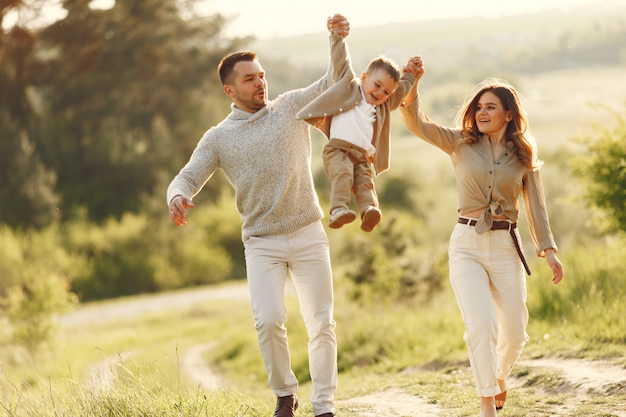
[(415, 345), (584, 315)]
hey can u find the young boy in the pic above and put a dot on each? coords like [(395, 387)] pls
[(354, 115)]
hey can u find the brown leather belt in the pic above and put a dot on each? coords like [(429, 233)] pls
[(502, 225)]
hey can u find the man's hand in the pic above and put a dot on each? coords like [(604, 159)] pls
[(338, 24), (178, 209)]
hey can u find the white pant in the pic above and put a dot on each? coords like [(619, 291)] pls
[(269, 261), (489, 284)]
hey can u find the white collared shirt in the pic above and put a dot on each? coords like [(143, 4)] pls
[(356, 125)]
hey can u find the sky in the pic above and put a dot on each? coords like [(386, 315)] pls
[(266, 19)]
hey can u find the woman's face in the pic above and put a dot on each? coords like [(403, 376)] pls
[(491, 117)]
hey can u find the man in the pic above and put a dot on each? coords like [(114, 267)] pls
[(265, 153)]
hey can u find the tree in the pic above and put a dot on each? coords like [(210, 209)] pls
[(27, 193), (123, 93), (603, 170)]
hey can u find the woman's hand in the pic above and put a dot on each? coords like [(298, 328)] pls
[(555, 265)]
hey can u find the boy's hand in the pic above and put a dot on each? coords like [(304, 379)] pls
[(338, 24)]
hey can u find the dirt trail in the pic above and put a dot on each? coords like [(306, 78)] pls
[(388, 403), (583, 378), (133, 306)]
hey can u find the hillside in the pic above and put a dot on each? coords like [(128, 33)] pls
[(564, 62), (451, 42)]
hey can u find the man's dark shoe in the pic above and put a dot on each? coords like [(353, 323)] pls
[(326, 415), (286, 406)]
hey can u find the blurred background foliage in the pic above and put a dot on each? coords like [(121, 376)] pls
[(100, 109)]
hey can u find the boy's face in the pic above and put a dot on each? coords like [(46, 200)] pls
[(377, 86)]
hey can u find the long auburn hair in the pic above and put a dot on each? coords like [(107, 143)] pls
[(517, 130)]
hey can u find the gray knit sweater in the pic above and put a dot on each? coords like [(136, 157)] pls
[(266, 156)]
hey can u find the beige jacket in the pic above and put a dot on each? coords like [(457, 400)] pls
[(346, 94), (494, 187)]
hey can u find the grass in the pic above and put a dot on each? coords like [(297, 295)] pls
[(417, 348)]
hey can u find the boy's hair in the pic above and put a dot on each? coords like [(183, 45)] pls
[(227, 64), (385, 64)]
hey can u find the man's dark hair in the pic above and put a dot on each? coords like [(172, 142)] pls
[(225, 68)]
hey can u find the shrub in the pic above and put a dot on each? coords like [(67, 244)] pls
[(603, 169), (36, 271)]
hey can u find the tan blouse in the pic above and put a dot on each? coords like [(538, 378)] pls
[(483, 184)]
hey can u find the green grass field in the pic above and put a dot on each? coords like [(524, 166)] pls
[(415, 347)]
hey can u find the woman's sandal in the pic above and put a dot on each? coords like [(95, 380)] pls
[(500, 398)]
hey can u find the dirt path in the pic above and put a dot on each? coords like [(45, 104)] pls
[(582, 378), (133, 306), (388, 403)]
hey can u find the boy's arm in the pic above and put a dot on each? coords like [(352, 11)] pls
[(339, 65), (411, 73), (406, 82), (339, 57), (416, 67)]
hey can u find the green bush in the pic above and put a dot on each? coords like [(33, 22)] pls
[(36, 271), (116, 255), (143, 253), (603, 169), (397, 264)]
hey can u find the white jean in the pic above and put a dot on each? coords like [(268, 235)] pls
[(269, 261), (489, 284)]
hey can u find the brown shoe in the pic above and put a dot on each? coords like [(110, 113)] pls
[(370, 218), (500, 399), (341, 216), (286, 406)]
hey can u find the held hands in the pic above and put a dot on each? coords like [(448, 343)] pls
[(415, 66), (178, 212), (338, 24)]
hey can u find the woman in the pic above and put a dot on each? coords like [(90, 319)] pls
[(495, 160)]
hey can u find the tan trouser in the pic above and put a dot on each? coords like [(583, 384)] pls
[(489, 284), (350, 172), (303, 254)]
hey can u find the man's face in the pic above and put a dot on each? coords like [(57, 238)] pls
[(248, 86)]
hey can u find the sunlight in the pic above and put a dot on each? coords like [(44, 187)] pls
[(101, 4), (53, 11), (288, 18)]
